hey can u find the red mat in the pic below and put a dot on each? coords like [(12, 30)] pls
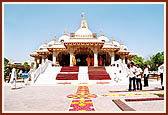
[(98, 73), (69, 69), (62, 76)]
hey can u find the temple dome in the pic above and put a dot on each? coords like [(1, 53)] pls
[(83, 31), (103, 38), (53, 41), (64, 38), (44, 46), (123, 47), (115, 43)]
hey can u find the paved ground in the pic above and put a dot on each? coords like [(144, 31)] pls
[(54, 98)]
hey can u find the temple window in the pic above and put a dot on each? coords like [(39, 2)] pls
[(103, 40), (62, 41)]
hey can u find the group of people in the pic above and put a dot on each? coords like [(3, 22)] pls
[(135, 74), (88, 60)]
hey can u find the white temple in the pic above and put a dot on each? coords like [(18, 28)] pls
[(81, 44), (53, 60)]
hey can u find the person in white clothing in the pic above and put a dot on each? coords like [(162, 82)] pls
[(160, 72), (13, 79), (145, 74), (138, 77), (131, 74)]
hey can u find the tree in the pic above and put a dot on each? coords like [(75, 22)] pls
[(6, 70), (139, 60), (25, 64), (157, 59)]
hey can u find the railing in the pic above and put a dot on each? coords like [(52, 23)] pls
[(35, 74)]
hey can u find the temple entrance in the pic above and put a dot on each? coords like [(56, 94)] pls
[(50, 57), (63, 59), (104, 59), (117, 57), (81, 54)]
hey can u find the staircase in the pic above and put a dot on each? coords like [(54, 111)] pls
[(48, 77), (81, 75)]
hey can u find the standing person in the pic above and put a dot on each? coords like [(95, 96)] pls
[(13, 79), (160, 72), (88, 61), (131, 74), (145, 74), (73, 60), (138, 77), (92, 61), (100, 61)]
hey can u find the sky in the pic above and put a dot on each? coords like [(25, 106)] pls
[(27, 26)]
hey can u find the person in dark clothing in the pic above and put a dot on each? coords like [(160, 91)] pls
[(145, 74)]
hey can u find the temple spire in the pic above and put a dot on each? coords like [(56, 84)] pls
[(45, 41), (65, 32), (121, 42), (83, 16), (101, 31), (83, 23), (54, 38), (113, 38)]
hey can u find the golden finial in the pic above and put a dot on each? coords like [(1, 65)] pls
[(54, 38), (102, 34), (45, 41), (113, 38), (65, 32), (121, 42), (83, 15)]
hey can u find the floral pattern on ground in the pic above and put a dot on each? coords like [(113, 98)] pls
[(81, 105)]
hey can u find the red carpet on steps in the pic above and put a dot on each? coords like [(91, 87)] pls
[(69, 76), (70, 69), (98, 73)]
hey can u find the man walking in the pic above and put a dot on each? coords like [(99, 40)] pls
[(13, 79)]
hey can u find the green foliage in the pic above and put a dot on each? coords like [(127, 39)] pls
[(25, 64), (6, 61), (139, 60), (6, 70), (155, 59)]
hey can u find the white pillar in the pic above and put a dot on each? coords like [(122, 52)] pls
[(112, 58), (35, 64), (124, 59), (71, 55), (54, 58), (95, 59), (43, 59)]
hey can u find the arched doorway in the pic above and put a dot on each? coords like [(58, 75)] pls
[(117, 57), (50, 57), (105, 57), (63, 59), (81, 54)]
